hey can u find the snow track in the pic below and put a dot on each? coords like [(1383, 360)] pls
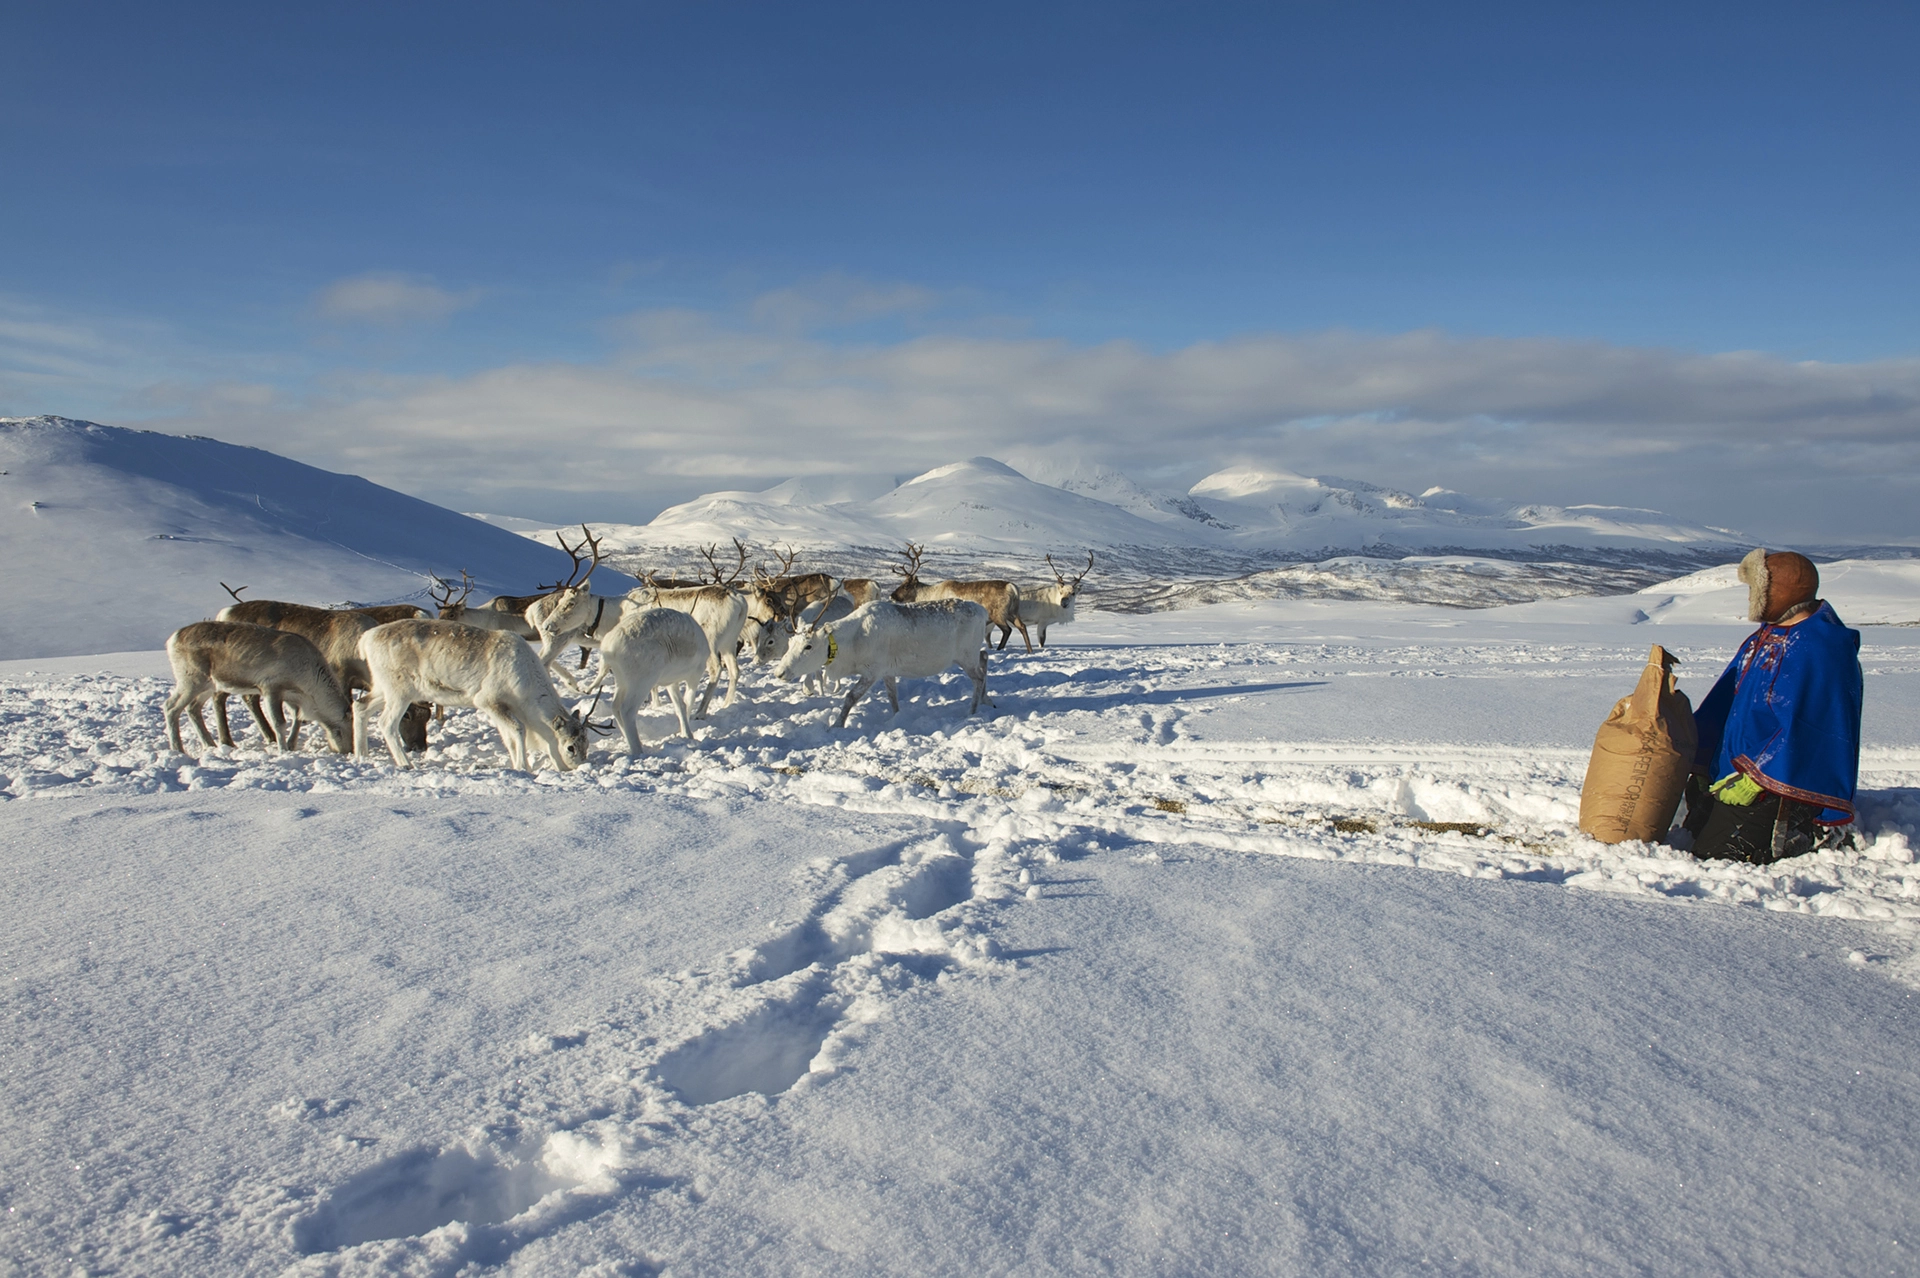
[(574, 1130)]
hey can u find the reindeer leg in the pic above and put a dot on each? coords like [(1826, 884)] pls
[(277, 712), (1043, 636), (259, 716), (220, 718), (1023, 634), (682, 697), (1006, 633), (893, 693), (732, 661), (199, 725), (861, 686), (178, 701), (713, 684), (626, 716), (390, 716), (293, 729)]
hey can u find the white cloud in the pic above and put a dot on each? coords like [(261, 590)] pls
[(1828, 451), (832, 299), (377, 298), (684, 403)]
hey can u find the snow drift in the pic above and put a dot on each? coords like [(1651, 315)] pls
[(144, 527)]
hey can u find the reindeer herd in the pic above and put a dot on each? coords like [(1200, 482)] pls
[(504, 658)]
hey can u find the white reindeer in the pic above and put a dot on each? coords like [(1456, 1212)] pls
[(1043, 606), (887, 642), (651, 648), (721, 613), (213, 658), (456, 665)]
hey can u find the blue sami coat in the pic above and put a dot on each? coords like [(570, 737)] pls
[(1787, 713)]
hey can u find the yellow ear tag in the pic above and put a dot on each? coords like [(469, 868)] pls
[(833, 649)]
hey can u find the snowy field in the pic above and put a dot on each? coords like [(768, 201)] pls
[(1247, 939)]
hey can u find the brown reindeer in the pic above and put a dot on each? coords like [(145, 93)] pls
[(784, 595), (862, 590), (336, 633), (1001, 599), (213, 658)]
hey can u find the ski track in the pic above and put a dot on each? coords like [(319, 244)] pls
[(1091, 749)]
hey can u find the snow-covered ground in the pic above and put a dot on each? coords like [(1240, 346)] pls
[(1250, 938)]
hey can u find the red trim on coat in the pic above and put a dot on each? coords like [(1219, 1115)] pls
[(1751, 769)]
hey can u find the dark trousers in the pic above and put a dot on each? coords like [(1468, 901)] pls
[(1769, 829)]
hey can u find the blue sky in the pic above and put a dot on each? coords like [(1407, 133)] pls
[(289, 226)]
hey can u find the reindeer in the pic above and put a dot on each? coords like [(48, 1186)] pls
[(887, 642), (1044, 606), (861, 590), (334, 631), (506, 612), (458, 665), (721, 612), (1001, 599), (784, 594), (213, 658), (652, 648), (571, 613)]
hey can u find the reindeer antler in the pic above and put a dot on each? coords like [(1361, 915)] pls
[(912, 556), (717, 575), (786, 558), (443, 597), (1084, 571), (234, 591), (588, 543)]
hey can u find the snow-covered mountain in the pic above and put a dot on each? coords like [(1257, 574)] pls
[(1277, 509), (983, 507), (1240, 533), (116, 537)]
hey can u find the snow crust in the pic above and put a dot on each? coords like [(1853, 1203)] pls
[(1250, 938)]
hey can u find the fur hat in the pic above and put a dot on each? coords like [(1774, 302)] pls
[(1778, 583)]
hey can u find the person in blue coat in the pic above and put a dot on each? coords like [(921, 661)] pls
[(1779, 752)]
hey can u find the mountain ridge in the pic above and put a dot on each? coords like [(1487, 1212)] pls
[(144, 526)]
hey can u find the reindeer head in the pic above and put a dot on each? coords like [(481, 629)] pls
[(808, 651), (1069, 590), (573, 728)]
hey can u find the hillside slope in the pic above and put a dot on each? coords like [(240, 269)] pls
[(115, 537)]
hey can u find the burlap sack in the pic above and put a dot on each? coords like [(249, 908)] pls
[(1641, 757)]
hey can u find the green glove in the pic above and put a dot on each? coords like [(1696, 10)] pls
[(1737, 789)]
